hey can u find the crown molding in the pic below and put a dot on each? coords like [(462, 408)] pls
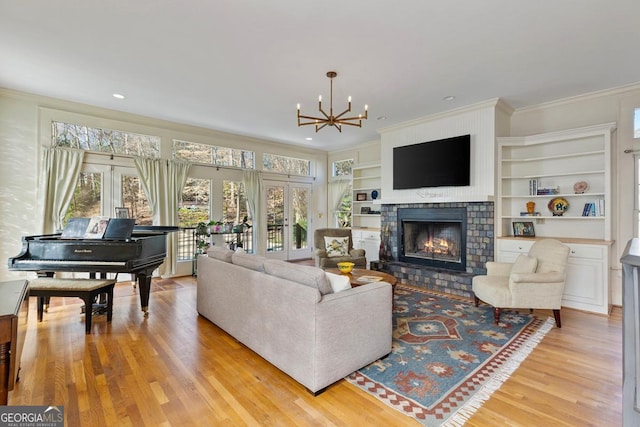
[(581, 98), (495, 103)]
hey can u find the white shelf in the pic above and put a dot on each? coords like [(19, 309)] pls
[(553, 196), (555, 218), (559, 156), (556, 174)]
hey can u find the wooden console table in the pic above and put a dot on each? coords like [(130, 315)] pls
[(14, 309)]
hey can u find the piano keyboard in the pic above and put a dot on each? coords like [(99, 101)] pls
[(75, 262)]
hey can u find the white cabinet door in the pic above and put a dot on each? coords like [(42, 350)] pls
[(587, 283), (369, 241)]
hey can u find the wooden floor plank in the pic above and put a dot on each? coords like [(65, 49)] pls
[(177, 368)]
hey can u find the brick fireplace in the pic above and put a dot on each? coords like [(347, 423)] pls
[(438, 246)]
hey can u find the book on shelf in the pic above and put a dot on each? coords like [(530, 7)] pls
[(529, 213), (593, 208), (533, 187)]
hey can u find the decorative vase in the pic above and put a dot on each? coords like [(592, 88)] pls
[(531, 207), (382, 253)]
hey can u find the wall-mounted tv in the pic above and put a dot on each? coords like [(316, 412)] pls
[(441, 163)]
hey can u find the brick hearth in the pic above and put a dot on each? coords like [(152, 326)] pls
[(480, 232)]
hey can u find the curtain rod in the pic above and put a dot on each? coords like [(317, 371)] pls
[(627, 151)]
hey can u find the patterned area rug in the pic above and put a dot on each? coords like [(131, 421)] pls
[(448, 356)]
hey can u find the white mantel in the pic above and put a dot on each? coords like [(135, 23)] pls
[(484, 122)]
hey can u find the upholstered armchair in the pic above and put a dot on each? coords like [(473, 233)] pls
[(334, 245), (533, 281)]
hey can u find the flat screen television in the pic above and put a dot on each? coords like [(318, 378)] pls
[(441, 163)]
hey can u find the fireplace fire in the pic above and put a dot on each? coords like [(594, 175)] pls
[(433, 237)]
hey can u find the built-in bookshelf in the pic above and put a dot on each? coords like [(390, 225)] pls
[(366, 196), (571, 168)]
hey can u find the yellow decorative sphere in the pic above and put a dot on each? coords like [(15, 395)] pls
[(345, 267)]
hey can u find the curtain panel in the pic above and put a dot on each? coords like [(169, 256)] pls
[(163, 181), (336, 192), (60, 171), (253, 189)]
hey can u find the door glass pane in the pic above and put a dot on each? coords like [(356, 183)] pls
[(194, 206), (133, 197), (87, 197), (299, 201), (275, 219)]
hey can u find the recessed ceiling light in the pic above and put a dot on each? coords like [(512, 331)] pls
[(449, 98), (381, 118), (309, 138), (118, 95)]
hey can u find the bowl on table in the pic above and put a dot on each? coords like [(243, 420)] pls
[(345, 267)]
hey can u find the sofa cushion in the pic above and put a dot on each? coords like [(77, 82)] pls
[(336, 246), (303, 274), (254, 262), (525, 264), (338, 282), (220, 253)]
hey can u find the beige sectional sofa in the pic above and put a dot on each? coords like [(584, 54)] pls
[(288, 314)]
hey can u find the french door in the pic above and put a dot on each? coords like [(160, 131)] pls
[(287, 219), (102, 188)]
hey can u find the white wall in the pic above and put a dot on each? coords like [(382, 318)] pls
[(25, 126), (480, 121), (18, 177)]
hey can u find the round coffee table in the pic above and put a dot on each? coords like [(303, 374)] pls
[(360, 276)]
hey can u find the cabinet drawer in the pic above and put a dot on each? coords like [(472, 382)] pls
[(584, 251), (520, 246)]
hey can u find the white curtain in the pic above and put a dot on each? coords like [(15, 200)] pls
[(253, 189), (336, 192), (163, 181), (60, 171)]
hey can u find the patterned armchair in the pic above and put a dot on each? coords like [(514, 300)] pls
[(334, 245)]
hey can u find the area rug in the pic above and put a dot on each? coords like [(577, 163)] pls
[(447, 356)]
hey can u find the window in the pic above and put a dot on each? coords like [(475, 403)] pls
[(234, 207), (342, 167), (636, 123), (133, 197), (343, 213), (87, 197), (100, 189), (288, 165), (213, 155), (104, 140), (194, 206)]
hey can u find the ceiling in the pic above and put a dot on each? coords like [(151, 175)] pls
[(242, 66)]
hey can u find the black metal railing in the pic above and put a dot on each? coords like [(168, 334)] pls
[(188, 241)]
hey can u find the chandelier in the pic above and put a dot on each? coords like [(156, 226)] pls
[(330, 119)]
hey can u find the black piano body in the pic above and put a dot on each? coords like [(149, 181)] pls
[(139, 255)]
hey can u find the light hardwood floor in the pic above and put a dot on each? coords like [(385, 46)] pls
[(176, 368)]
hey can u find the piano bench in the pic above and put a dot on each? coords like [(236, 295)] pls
[(86, 289)]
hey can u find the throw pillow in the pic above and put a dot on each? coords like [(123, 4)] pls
[(338, 282), (254, 262), (336, 246), (220, 253), (304, 274), (525, 264)]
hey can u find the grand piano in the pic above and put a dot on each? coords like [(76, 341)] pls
[(139, 251)]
